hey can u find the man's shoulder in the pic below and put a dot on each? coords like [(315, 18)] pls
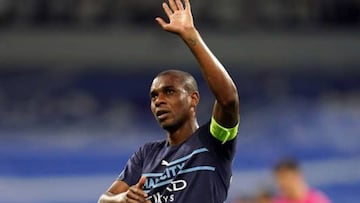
[(204, 128), (312, 196), (319, 196), (153, 145)]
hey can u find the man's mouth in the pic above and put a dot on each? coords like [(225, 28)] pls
[(161, 114)]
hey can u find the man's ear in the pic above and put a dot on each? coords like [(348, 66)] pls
[(195, 98)]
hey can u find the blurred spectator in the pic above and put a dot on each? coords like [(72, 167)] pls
[(243, 199), (264, 197), (293, 186), (229, 14)]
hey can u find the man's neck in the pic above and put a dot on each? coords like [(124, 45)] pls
[(183, 133), (300, 193)]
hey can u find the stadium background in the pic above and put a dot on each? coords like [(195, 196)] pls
[(74, 79)]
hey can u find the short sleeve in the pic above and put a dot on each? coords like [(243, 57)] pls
[(322, 198), (133, 169)]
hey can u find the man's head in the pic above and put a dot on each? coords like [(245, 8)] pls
[(174, 97), (289, 178)]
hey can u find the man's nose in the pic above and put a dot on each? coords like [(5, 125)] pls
[(160, 100)]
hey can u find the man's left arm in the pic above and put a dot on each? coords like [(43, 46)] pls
[(226, 108)]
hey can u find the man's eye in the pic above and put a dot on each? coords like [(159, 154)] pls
[(153, 96), (169, 91)]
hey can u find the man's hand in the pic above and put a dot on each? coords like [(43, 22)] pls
[(180, 17), (135, 193)]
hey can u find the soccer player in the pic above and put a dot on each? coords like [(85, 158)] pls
[(292, 185), (194, 163)]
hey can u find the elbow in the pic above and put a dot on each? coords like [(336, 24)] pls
[(230, 104), (230, 101)]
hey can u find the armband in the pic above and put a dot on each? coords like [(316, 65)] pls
[(221, 133)]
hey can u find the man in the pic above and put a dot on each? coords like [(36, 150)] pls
[(263, 196), (194, 163), (292, 185)]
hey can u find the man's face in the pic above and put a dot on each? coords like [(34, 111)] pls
[(170, 102), (288, 181)]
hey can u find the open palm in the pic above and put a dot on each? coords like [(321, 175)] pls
[(179, 15)]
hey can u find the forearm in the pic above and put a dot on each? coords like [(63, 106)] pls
[(216, 76), (226, 107), (110, 198)]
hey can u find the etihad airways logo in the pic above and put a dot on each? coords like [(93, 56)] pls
[(173, 168), (168, 177), (174, 186)]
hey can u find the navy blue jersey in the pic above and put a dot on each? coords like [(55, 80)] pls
[(198, 170)]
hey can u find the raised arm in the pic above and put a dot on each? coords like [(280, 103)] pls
[(226, 108)]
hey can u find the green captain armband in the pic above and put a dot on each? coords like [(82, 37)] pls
[(221, 133)]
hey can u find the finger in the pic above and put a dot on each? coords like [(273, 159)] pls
[(127, 200), (179, 4), (138, 192), (132, 201), (161, 22), (141, 182), (133, 197), (187, 4), (173, 5), (167, 10)]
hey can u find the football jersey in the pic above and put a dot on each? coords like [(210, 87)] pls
[(197, 170), (312, 196)]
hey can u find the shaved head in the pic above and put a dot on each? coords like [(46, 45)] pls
[(174, 98), (190, 84)]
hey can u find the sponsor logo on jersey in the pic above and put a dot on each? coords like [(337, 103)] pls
[(168, 179)]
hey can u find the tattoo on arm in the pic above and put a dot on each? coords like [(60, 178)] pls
[(192, 41)]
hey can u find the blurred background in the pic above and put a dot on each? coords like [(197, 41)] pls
[(75, 77)]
